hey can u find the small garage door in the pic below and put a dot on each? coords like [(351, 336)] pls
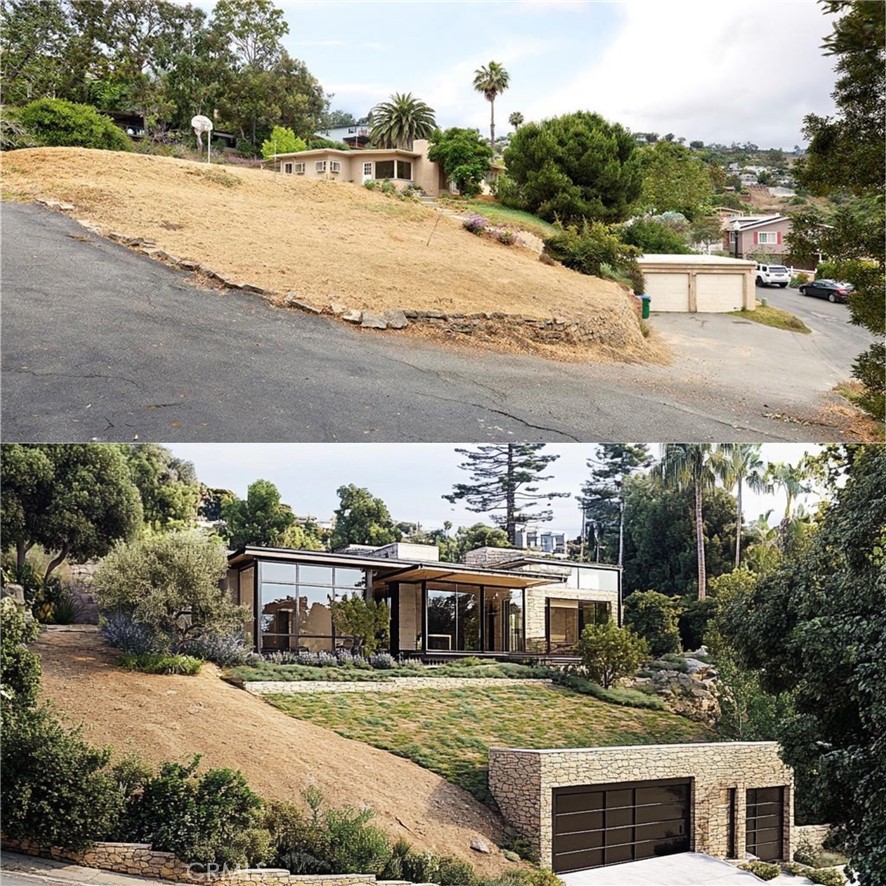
[(596, 825), (719, 292), (765, 823), (669, 292)]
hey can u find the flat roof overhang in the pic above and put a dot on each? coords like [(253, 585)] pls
[(465, 575)]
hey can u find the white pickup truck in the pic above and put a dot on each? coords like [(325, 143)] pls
[(773, 275)]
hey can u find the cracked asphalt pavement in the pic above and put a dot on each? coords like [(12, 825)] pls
[(100, 343)]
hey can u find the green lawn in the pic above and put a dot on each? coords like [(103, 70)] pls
[(450, 731), (776, 317), (504, 215)]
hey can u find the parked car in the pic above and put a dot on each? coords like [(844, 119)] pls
[(832, 290), (773, 275)]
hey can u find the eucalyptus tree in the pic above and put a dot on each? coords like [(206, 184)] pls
[(398, 122), (492, 80), (694, 466), (739, 467)]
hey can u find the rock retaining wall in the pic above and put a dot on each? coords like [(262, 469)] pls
[(812, 835), (139, 859), (395, 684), (522, 782)]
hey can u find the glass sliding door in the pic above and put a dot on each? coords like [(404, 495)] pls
[(453, 618), (566, 620), (516, 629), (503, 620)]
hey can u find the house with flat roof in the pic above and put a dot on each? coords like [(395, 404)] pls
[(401, 166), (501, 603)]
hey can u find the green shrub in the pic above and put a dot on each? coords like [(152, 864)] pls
[(506, 238), (161, 663), (634, 698), (523, 878), (827, 877), (427, 867), (590, 246), (282, 140), (208, 818), (19, 667), (654, 236), (59, 123), (762, 869), (609, 652), (64, 794), (653, 617)]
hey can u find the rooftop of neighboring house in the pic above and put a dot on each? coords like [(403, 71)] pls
[(747, 222)]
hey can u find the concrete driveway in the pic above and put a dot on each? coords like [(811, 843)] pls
[(100, 343), (683, 869)]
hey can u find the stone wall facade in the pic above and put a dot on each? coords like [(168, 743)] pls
[(395, 684), (522, 782), (139, 859), (812, 835)]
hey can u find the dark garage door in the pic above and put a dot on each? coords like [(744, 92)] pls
[(765, 823), (597, 825)]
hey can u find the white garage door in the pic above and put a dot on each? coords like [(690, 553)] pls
[(719, 292), (668, 292)]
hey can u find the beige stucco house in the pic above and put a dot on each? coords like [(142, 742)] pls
[(398, 165)]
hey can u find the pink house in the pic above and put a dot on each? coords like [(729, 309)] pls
[(754, 236)]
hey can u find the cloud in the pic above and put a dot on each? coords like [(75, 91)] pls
[(714, 71)]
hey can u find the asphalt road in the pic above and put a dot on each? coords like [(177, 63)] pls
[(100, 343)]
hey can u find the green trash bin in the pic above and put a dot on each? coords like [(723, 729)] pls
[(644, 303)]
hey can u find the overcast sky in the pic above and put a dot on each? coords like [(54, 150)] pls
[(411, 478), (703, 69)]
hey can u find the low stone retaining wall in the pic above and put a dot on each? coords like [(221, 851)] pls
[(139, 859), (812, 835), (395, 684)]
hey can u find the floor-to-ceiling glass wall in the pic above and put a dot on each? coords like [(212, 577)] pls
[(568, 618), (453, 618), (296, 610)]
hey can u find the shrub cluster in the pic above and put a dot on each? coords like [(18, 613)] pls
[(633, 698), (762, 869), (161, 663), (53, 122)]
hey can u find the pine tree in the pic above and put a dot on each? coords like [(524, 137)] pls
[(504, 478), (603, 495)]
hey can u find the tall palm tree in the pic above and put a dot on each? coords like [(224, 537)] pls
[(741, 466), (694, 466), (516, 120), (793, 480), (492, 80), (397, 122)]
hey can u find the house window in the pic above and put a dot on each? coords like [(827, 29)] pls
[(299, 168), (404, 169), (367, 170), (568, 618), (320, 166), (732, 236), (454, 619), (767, 238), (384, 168), (287, 168), (334, 166)]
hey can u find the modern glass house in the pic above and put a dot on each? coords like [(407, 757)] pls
[(501, 603)]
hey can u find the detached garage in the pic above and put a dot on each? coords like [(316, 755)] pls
[(584, 808), (698, 283)]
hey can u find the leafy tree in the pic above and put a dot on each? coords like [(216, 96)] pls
[(282, 141), (19, 667), (815, 627), (213, 502), (368, 622), (337, 118), (574, 167), (398, 122), (56, 122), (603, 494), (742, 465), (304, 536), (653, 236), (469, 538), (492, 80), (167, 485), (706, 229), (361, 518), (693, 466), (170, 583), (255, 29), (25, 476), (464, 156), (609, 652), (590, 246), (259, 519), (653, 617), (660, 550), (674, 178), (503, 478), (516, 120)]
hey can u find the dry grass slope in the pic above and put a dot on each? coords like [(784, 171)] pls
[(326, 241), (172, 718)]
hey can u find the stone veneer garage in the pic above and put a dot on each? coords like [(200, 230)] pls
[(698, 283), (587, 807)]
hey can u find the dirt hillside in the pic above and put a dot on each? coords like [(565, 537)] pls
[(171, 718), (328, 242)]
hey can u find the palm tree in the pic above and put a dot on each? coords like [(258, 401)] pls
[(491, 80), (694, 466), (516, 120), (398, 122), (741, 466), (792, 479)]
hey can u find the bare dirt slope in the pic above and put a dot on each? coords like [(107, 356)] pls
[(328, 242), (170, 718)]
